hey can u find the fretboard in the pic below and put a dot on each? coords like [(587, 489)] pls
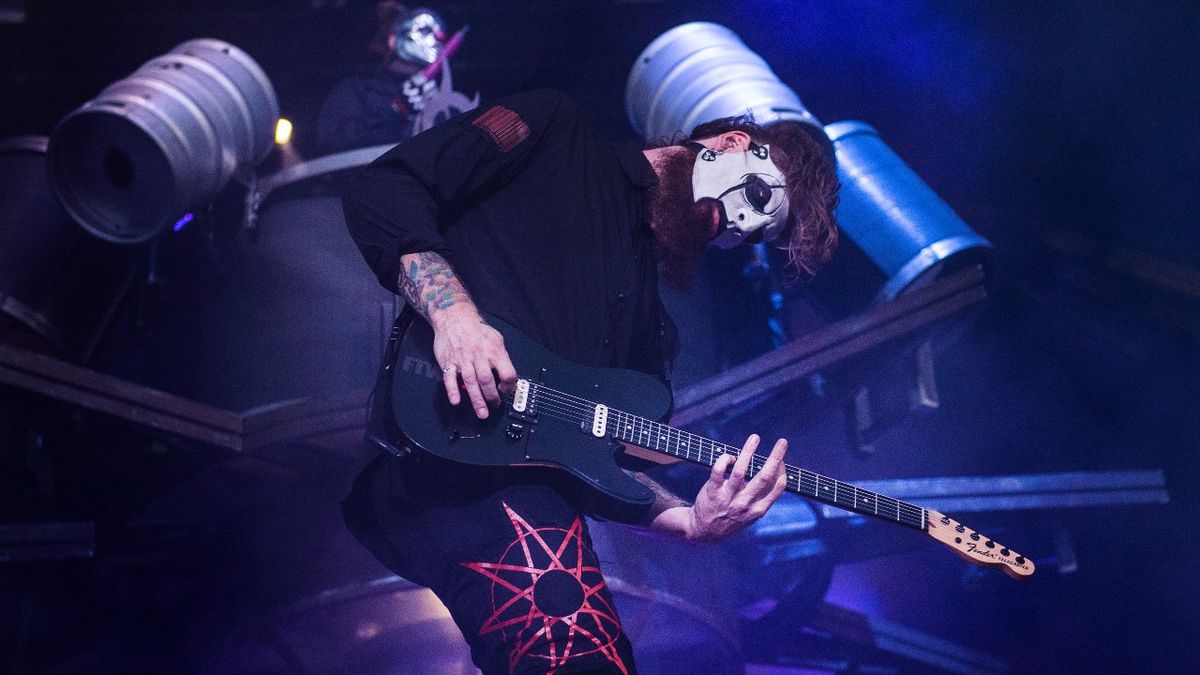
[(668, 440)]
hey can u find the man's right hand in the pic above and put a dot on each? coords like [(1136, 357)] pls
[(464, 345), (467, 347)]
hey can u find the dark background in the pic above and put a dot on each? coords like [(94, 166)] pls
[(1066, 133)]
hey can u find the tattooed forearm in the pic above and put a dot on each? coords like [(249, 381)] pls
[(429, 284), (663, 498)]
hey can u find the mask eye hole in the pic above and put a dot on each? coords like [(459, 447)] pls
[(758, 193)]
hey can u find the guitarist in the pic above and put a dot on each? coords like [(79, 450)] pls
[(561, 235)]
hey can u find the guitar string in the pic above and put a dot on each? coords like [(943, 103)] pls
[(584, 409), (906, 513)]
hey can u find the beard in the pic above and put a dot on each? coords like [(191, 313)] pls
[(682, 227)]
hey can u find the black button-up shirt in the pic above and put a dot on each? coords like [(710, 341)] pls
[(546, 225)]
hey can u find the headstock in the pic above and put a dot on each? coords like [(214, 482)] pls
[(977, 548)]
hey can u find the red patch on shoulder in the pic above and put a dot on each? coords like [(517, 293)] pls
[(506, 127)]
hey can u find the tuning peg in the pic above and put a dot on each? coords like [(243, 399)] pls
[(974, 536), (1004, 551)]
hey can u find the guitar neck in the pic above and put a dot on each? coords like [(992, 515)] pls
[(668, 440), (603, 422)]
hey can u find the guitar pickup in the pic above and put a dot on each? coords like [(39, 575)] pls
[(600, 421), (524, 402)]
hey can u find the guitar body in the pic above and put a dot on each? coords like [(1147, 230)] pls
[(429, 423)]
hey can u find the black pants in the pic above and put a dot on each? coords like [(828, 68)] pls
[(505, 551)]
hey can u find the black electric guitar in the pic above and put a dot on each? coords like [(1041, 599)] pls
[(578, 419)]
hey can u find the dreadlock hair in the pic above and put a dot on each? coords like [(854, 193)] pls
[(805, 157)]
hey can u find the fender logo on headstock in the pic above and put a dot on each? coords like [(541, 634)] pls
[(976, 550)]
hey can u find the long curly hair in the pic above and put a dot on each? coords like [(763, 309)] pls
[(805, 157)]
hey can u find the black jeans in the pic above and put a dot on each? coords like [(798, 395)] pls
[(507, 553)]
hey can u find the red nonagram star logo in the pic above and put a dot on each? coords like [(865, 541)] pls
[(547, 598)]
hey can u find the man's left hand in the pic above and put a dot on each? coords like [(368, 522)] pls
[(727, 504)]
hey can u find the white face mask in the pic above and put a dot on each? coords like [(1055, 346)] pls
[(750, 189), (419, 37)]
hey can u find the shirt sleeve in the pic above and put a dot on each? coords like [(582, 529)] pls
[(401, 202)]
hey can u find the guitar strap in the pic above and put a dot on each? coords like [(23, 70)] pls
[(381, 428)]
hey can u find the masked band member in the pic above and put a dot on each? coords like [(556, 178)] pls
[(389, 105), (518, 210)]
